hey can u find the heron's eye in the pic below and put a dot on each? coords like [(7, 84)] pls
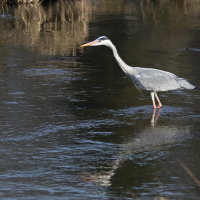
[(99, 40)]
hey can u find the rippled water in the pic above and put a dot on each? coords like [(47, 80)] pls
[(72, 124)]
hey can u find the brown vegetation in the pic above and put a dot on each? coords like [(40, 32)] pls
[(56, 29), (4, 2)]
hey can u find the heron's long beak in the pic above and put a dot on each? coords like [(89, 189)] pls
[(89, 44)]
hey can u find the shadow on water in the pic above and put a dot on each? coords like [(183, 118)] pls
[(72, 124)]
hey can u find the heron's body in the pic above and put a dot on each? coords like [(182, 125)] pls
[(149, 79)]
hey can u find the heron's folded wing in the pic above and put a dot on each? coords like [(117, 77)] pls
[(158, 80)]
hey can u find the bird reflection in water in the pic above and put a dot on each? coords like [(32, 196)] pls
[(155, 115)]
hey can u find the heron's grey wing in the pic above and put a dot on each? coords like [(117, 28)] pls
[(158, 80)]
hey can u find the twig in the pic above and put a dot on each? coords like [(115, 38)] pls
[(190, 173), (131, 193)]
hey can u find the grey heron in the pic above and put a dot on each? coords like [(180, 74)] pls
[(149, 79)]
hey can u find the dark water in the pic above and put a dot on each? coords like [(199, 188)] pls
[(72, 125)]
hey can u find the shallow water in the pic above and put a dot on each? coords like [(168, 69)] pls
[(72, 124)]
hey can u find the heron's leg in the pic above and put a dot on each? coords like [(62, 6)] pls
[(153, 99), (159, 103)]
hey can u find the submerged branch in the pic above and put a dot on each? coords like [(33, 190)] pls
[(190, 173)]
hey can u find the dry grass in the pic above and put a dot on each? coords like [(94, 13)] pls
[(4, 2), (56, 29)]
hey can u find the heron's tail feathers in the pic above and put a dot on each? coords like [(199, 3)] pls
[(186, 84)]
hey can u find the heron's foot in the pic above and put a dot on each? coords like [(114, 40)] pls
[(159, 106)]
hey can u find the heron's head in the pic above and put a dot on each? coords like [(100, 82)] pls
[(103, 40)]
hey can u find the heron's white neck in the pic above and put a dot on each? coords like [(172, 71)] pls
[(121, 63)]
